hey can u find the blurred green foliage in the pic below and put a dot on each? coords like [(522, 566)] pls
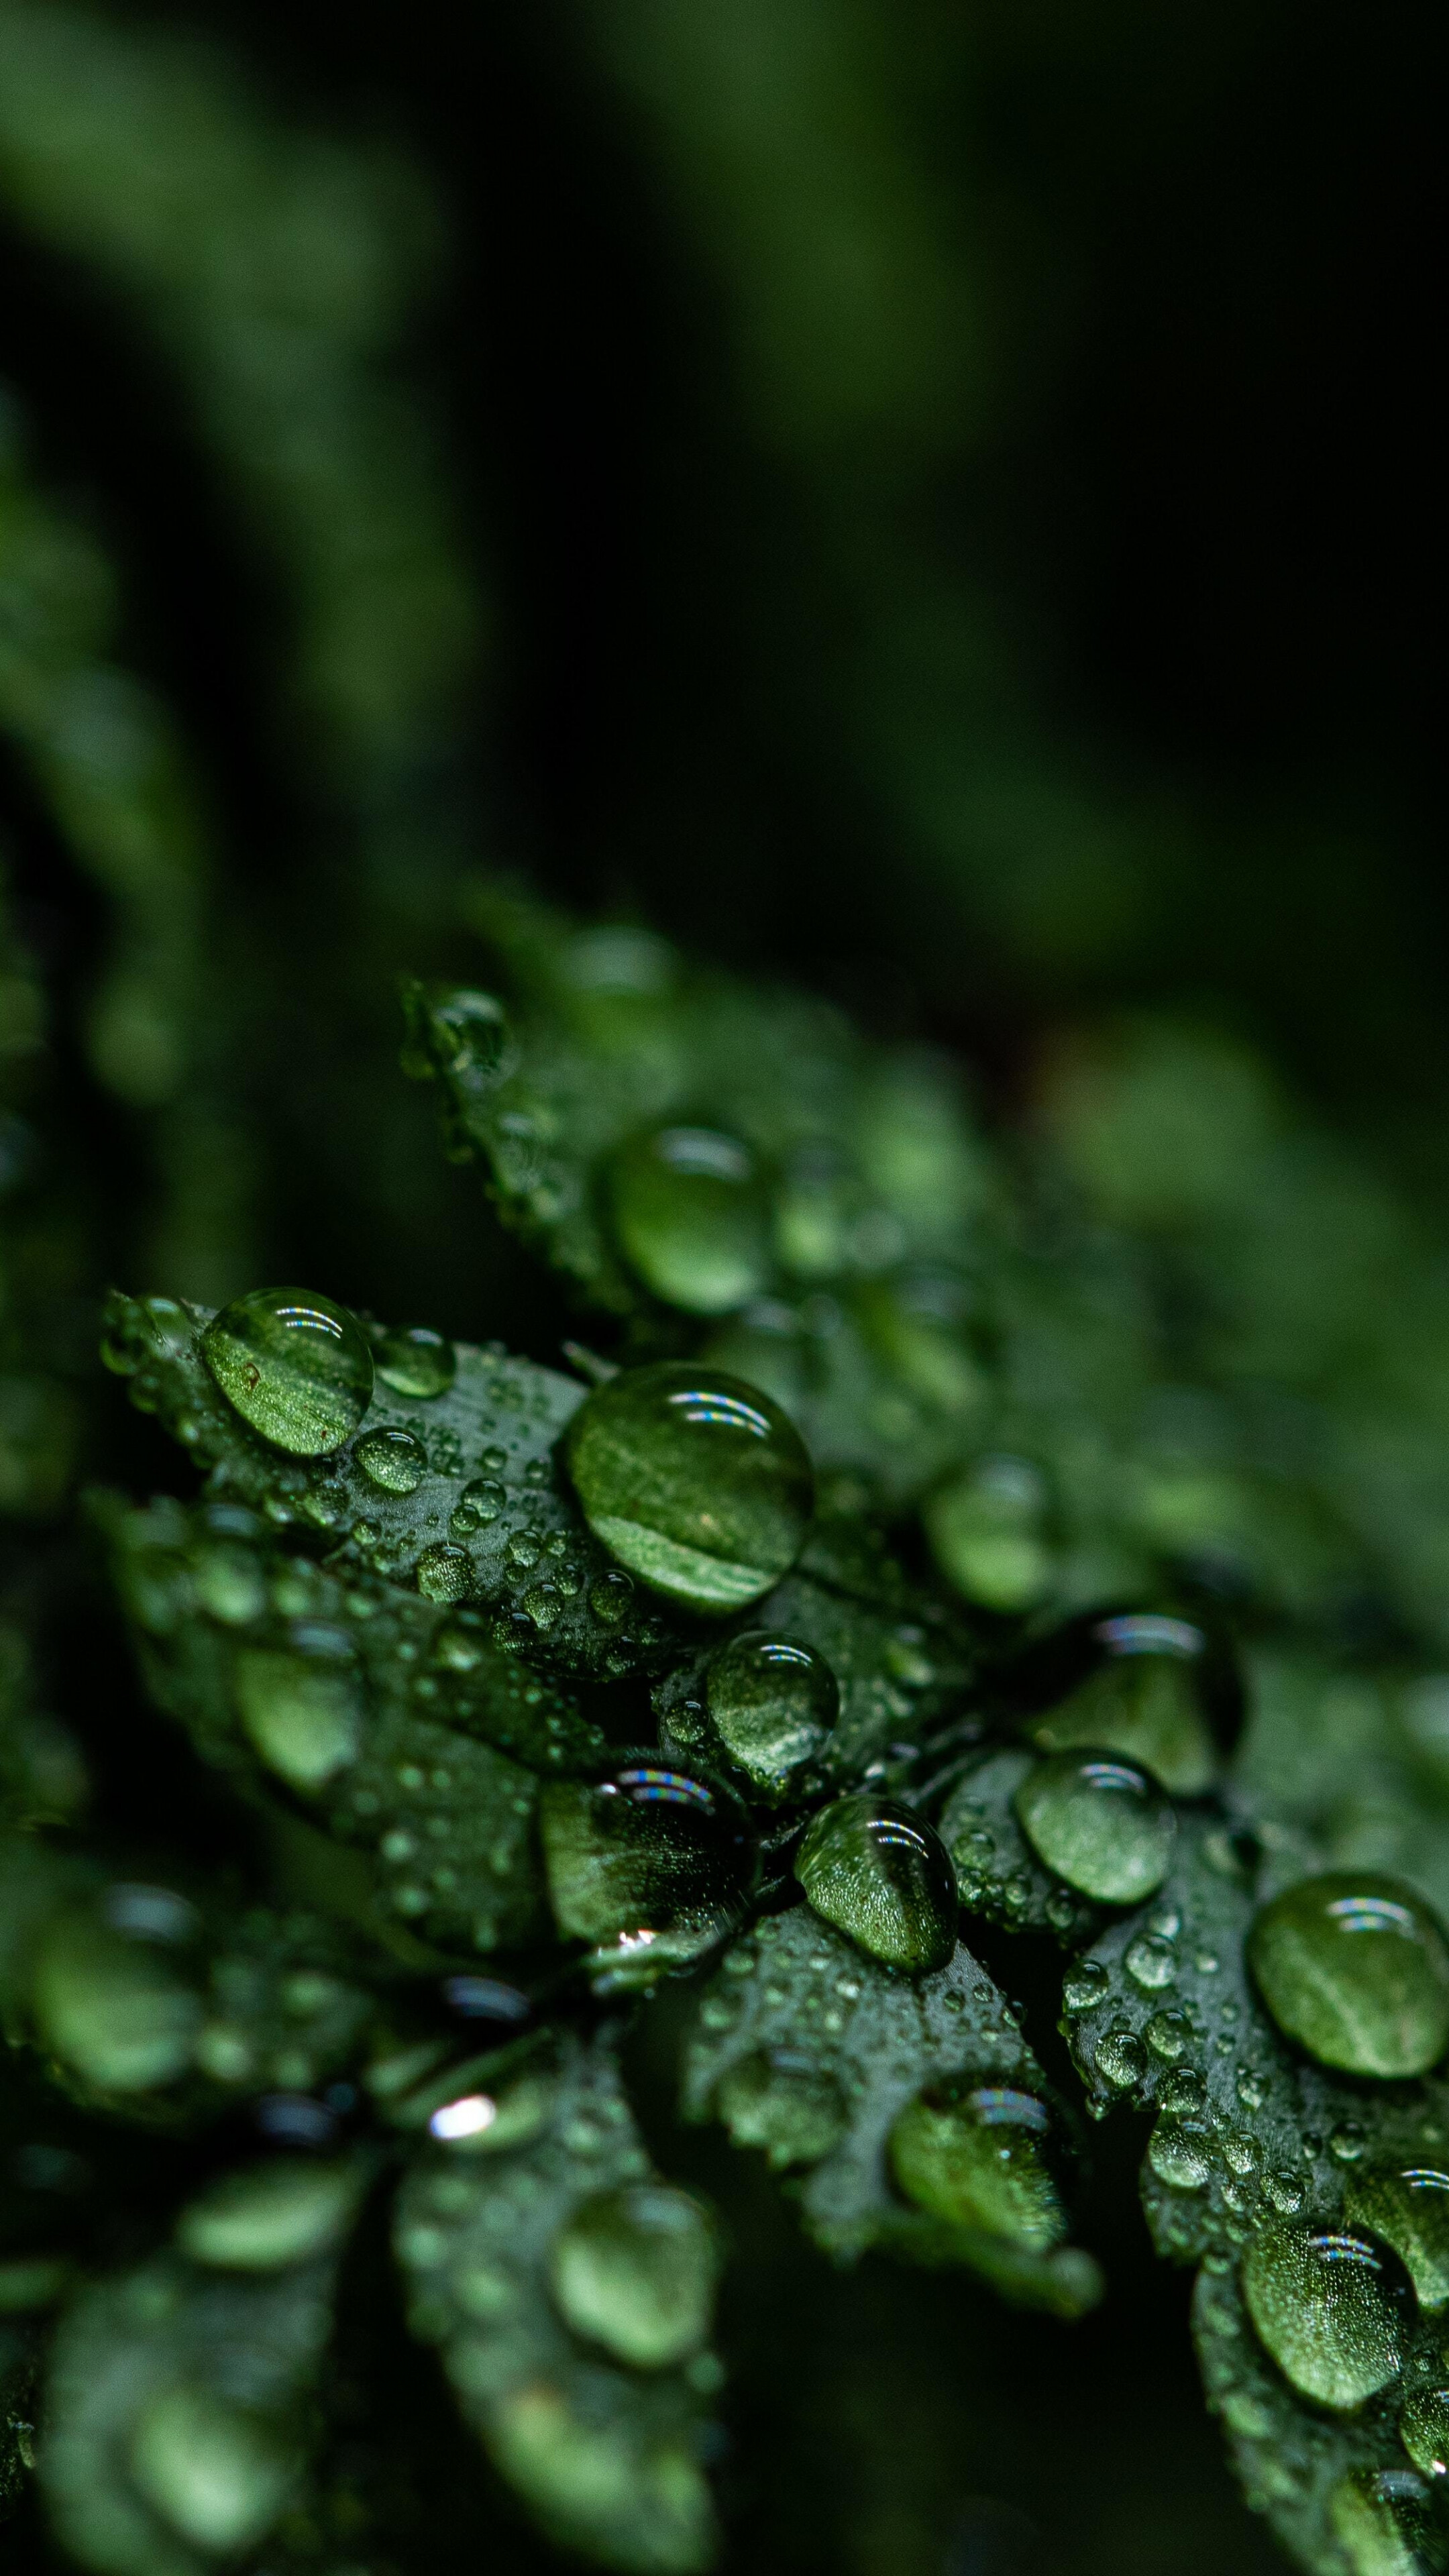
[(934, 508)]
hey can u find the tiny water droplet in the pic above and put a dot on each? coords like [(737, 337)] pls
[(1102, 1825), (1183, 2092), (773, 1701), (1151, 1962), (416, 1362), (692, 1217), (1085, 1985), (1348, 2141), (1169, 2036), (444, 1573), (1424, 2431), (979, 2157), (1179, 2154), (1333, 2308), (1121, 2059), (396, 1460), (884, 1877), (1355, 1967), (295, 1366), (1285, 2189), (634, 2270), (696, 1482)]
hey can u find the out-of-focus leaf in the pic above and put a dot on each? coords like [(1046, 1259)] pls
[(570, 2293)]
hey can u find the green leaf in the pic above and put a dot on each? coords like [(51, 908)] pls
[(568, 2365), (182, 2397), (518, 1543), (808, 2048), (847, 1232)]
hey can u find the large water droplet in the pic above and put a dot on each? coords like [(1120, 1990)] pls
[(295, 1366), (1408, 2206), (1355, 1967), (444, 1573), (1385, 2523), (987, 1529), (634, 2270), (1144, 1700), (773, 1702), (647, 1860), (110, 1995), (692, 1217), (303, 1709), (1180, 2155), (282, 2211), (396, 1460), (780, 2100), (694, 1480), (1333, 2307), (1102, 1825), (218, 2474), (1424, 2431), (977, 2156), (884, 1876), (416, 1362)]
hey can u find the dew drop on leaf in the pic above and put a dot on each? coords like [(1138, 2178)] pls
[(987, 1533), (1408, 2206), (394, 1459), (882, 1875), (1179, 2154), (302, 1709), (1102, 1825), (444, 1573), (691, 1215), (696, 1482), (773, 1701), (217, 2473), (1355, 1968), (648, 1859), (1384, 2522), (634, 2270), (1121, 2059), (286, 2210), (979, 2156), (1143, 1700), (478, 1506), (1333, 2307), (1424, 2431), (415, 1362), (778, 2099), (295, 1366), (110, 1998)]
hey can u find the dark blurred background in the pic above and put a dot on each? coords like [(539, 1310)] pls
[(943, 504)]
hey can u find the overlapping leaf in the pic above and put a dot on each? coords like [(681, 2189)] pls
[(591, 2407)]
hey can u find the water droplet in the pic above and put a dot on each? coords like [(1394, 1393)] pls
[(1384, 2522), (1252, 2087), (1085, 1985), (777, 2099), (283, 2211), (1241, 2151), (1183, 2092), (978, 2157), (302, 1710), (217, 2473), (1102, 1825), (1180, 2155), (1143, 1702), (634, 2270), (773, 1702), (1424, 2431), (1408, 2206), (1285, 2189), (415, 1362), (396, 1460), (692, 1216), (987, 1530), (1333, 2307), (295, 1366), (444, 1573), (1354, 1967), (647, 1858), (1169, 2036), (109, 2001), (695, 1481), (882, 1875), (1152, 1962), (478, 1506), (1347, 2141), (1121, 2059)]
